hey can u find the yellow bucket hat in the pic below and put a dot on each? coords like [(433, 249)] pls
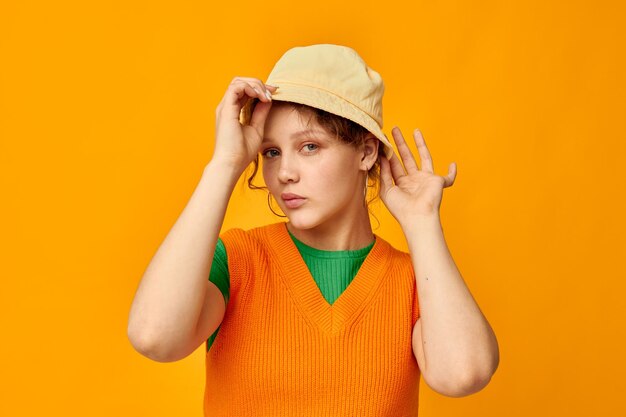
[(333, 78)]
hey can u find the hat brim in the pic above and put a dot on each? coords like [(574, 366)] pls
[(323, 100)]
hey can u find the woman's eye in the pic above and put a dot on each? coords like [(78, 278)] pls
[(267, 151)]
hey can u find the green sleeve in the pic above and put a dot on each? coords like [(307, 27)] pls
[(219, 270)]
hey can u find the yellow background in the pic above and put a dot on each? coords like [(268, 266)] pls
[(107, 116)]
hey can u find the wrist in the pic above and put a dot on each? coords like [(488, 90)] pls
[(222, 170), (422, 221)]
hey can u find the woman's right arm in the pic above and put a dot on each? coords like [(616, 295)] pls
[(176, 308)]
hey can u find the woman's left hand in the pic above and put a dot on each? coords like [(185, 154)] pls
[(417, 192)]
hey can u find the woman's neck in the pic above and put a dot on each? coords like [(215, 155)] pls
[(343, 234)]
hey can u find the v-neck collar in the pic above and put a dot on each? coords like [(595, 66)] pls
[(307, 295)]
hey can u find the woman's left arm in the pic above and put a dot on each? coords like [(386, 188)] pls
[(454, 344), (458, 348)]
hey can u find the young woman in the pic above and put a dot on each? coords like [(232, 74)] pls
[(317, 315)]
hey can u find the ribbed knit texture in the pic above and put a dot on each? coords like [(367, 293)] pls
[(332, 270), (283, 350)]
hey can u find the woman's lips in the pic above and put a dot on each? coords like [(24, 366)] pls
[(294, 202)]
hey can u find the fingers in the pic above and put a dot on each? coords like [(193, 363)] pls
[(242, 89), (250, 89), (425, 158), (409, 160), (397, 170), (259, 115), (239, 92), (262, 91), (386, 180), (257, 82), (254, 88), (451, 175), (404, 151)]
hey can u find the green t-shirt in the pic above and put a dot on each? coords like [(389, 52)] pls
[(332, 270)]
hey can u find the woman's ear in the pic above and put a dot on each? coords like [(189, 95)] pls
[(370, 151)]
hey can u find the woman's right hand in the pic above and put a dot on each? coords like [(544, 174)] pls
[(235, 144)]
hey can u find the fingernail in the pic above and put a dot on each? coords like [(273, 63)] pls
[(268, 94)]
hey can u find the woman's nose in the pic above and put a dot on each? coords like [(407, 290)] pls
[(288, 170)]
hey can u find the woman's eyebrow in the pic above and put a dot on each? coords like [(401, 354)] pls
[(305, 132)]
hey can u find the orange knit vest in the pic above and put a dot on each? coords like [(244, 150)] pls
[(283, 350)]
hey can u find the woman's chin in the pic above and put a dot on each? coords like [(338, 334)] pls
[(301, 221)]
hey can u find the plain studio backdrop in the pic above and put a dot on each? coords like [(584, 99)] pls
[(107, 117)]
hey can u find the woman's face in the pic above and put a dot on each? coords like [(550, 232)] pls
[(309, 162)]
